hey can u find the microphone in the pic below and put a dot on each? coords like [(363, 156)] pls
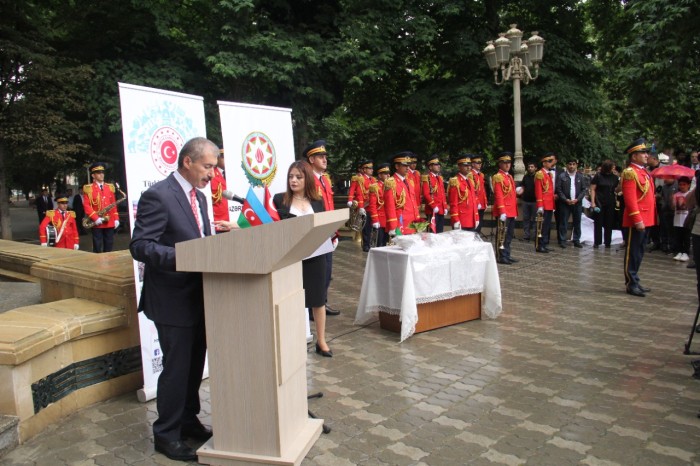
[(232, 197)]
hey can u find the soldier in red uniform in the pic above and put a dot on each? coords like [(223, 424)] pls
[(96, 197), (639, 213), (415, 175), (544, 197), (433, 188), (317, 156), (359, 196), (505, 205), (218, 186), (480, 189), (375, 210), (461, 196), (399, 197), (63, 221)]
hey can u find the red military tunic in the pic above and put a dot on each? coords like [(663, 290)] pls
[(399, 204), (95, 199), (638, 193), (504, 198), (359, 189), (414, 175), (375, 209), (480, 188), (463, 202), (219, 203), (325, 190), (544, 189), (69, 233), (433, 188)]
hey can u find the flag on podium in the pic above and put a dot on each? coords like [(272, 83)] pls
[(253, 212), (270, 206)]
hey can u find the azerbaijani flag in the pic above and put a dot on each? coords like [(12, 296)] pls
[(253, 212), (270, 206)]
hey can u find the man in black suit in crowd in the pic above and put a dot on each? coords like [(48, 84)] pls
[(571, 188), (44, 202), (169, 212)]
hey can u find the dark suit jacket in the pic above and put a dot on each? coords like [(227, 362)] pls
[(564, 186), (164, 218), (283, 211), (42, 206)]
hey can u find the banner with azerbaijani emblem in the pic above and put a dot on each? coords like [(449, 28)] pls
[(155, 126), (259, 147)]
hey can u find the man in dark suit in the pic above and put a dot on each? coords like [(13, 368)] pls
[(169, 212), (43, 203), (571, 189)]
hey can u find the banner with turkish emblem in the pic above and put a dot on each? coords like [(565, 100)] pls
[(258, 149), (155, 125)]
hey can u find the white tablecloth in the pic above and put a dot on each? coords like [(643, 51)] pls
[(397, 280)]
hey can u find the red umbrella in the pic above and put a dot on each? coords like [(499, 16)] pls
[(673, 172)]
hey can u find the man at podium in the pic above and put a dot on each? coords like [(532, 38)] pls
[(169, 212)]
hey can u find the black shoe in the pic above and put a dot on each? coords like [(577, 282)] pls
[(175, 450), (607, 246), (504, 261), (644, 289), (325, 354), (596, 246), (331, 312), (690, 266), (635, 292), (365, 249), (562, 245), (542, 249), (577, 245), (513, 261), (526, 239), (197, 432), (546, 249)]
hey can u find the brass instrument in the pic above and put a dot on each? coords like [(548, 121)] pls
[(500, 235), (374, 238), (87, 221), (357, 219), (538, 224)]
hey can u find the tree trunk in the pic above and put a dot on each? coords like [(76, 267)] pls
[(5, 222)]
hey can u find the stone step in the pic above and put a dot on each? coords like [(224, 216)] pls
[(9, 437), (11, 275)]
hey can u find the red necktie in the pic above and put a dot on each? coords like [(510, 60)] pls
[(195, 208)]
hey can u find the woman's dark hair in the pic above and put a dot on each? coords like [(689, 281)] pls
[(607, 166), (310, 190)]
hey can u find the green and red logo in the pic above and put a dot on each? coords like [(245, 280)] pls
[(259, 159)]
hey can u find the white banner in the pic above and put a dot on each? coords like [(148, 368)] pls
[(155, 126)]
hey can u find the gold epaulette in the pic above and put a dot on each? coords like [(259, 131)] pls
[(539, 175), (454, 181), (356, 178), (424, 178), (111, 187), (629, 174), (71, 213), (374, 188), (50, 213), (87, 188), (470, 176), (330, 183), (497, 178), (390, 183)]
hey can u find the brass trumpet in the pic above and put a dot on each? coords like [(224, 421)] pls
[(500, 235), (374, 238), (538, 225)]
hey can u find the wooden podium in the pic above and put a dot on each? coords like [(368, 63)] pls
[(254, 307)]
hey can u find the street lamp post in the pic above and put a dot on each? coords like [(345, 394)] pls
[(514, 57)]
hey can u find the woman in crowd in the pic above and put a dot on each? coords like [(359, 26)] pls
[(603, 187), (302, 198)]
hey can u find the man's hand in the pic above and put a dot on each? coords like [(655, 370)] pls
[(99, 221), (540, 210), (116, 224), (392, 233), (639, 226), (436, 210), (349, 203), (362, 211), (76, 247), (502, 218), (478, 207), (456, 226), (476, 224), (376, 225)]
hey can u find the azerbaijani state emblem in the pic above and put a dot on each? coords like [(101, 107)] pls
[(259, 160)]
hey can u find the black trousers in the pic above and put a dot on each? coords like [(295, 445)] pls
[(366, 233), (481, 220), (634, 253), (543, 241), (439, 222), (184, 351), (102, 239), (603, 223), (510, 231)]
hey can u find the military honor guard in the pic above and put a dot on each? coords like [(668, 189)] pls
[(399, 197), (58, 228), (218, 186), (100, 205), (359, 196), (433, 189), (375, 209), (317, 156), (505, 207), (639, 213), (462, 198), (544, 197), (479, 188), (415, 175)]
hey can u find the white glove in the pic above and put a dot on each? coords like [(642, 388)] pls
[(540, 210), (362, 211), (392, 233), (478, 207), (116, 224), (376, 225), (476, 224), (76, 247), (44, 245), (519, 190), (502, 218), (456, 226), (99, 221), (436, 210), (349, 203), (334, 242), (447, 210)]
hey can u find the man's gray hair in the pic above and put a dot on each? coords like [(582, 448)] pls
[(195, 149)]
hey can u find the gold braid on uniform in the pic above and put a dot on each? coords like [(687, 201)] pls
[(540, 176), (629, 173), (87, 189), (216, 197), (454, 183), (498, 178), (426, 179), (374, 188), (477, 181), (390, 183)]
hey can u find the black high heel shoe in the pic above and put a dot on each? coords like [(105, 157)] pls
[(325, 354)]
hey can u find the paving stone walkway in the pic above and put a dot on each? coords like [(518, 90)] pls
[(574, 371)]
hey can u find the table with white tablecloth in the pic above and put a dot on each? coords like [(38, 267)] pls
[(424, 269)]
